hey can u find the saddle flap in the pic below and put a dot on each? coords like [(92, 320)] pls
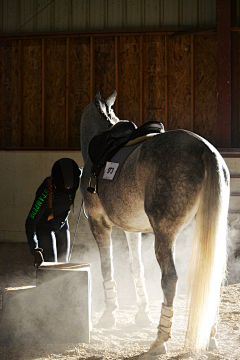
[(113, 166), (109, 140)]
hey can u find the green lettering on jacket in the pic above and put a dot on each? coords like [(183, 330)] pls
[(38, 204)]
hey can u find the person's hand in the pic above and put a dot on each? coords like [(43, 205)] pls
[(38, 259)]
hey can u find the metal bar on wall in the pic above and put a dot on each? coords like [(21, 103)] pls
[(173, 31), (43, 92), (67, 89), (116, 72), (20, 95), (166, 82), (192, 84), (141, 81), (92, 77)]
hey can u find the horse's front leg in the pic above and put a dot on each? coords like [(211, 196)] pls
[(164, 255), (101, 231), (136, 266)]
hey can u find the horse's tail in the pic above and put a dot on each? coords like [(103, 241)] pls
[(208, 259)]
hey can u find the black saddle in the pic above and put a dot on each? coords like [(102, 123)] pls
[(106, 144), (150, 127)]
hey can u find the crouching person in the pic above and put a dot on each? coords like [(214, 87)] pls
[(47, 226)]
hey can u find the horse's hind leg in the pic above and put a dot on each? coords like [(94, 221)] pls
[(136, 266), (102, 234), (164, 255)]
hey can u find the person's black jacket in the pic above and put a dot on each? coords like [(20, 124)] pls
[(40, 211)]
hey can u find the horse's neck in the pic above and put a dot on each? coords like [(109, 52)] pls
[(92, 123)]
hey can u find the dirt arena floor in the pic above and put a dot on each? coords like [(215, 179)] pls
[(125, 340)]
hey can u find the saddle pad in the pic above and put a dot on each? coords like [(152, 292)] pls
[(112, 168)]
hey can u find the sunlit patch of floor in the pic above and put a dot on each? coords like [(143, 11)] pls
[(127, 341)]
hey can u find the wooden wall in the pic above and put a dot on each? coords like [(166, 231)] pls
[(237, 111), (46, 81)]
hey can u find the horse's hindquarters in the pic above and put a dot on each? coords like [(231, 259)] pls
[(160, 180)]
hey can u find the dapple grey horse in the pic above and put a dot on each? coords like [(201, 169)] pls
[(167, 181)]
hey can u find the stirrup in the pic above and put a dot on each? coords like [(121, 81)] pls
[(90, 188)]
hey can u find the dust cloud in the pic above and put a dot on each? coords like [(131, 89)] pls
[(124, 340), (87, 252)]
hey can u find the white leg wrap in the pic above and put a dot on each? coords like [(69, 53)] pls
[(164, 330), (110, 293), (165, 323), (141, 291), (108, 284)]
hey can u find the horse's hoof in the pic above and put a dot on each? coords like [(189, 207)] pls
[(158, 349), (213, 345), (159, 346), (107, 319), (143, 318)]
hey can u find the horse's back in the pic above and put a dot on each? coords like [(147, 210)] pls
[(170, 156)]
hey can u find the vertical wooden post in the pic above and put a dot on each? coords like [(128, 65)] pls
[(166, 83), (92, 77), (223, 126), (141, 81), (234, 79), (67, 89), (20, 96), (192, 84), (43, 93), (116, 72)]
